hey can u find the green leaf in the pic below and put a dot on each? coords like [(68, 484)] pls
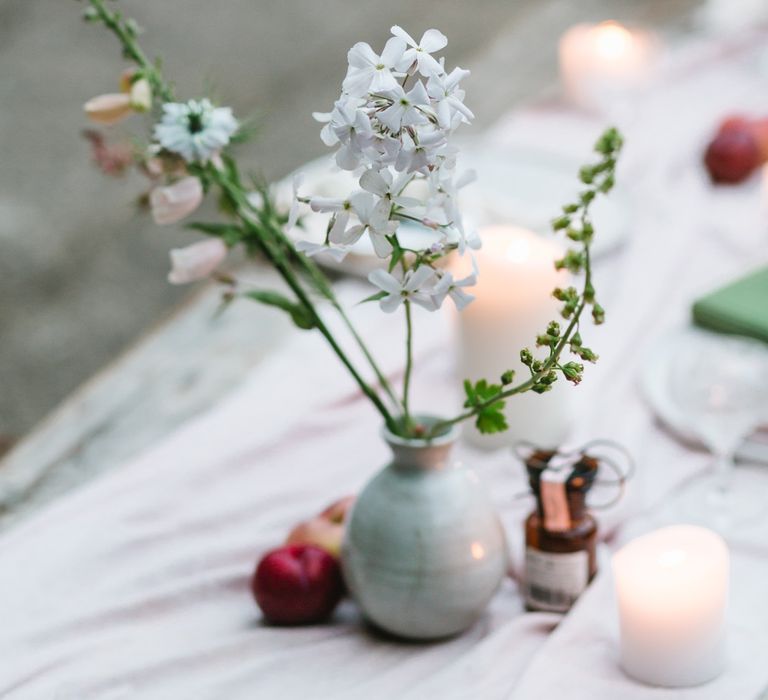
[(299, 315), (397, 253), (373, 297), (490, 418)]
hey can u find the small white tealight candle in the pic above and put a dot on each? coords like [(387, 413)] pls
[(672, 588), (513, 305), (602, 62)]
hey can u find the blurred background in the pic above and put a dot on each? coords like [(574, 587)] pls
[(82, 274)]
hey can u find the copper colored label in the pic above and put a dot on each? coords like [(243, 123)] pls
[(554, 501)]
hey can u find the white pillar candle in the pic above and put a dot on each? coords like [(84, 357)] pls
[(601, 62), (513, 305), (671, 588)]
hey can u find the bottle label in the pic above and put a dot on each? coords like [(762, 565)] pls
[(553, 581)]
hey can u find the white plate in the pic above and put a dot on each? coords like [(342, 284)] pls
[(655, 386), (516, 186)]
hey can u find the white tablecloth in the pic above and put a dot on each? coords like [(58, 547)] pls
[(137, 584)]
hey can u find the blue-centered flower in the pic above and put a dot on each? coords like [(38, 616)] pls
[(196, 130)]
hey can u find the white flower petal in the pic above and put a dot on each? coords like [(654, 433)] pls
[(402, 34), (418, 278), (433, 40), (393, 52), (381, 246), (386, 281), (361, 55)]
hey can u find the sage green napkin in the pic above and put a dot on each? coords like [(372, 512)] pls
[(740, 308)]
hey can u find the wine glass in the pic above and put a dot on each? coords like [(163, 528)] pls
[(720, 386)]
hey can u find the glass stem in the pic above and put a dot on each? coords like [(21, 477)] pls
[(724, 466)]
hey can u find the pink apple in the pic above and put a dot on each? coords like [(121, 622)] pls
[(297, 585), (325, 530)]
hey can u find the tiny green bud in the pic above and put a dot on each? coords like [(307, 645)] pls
[(572, 371), (571, 208), (526, 357), (508, 377), (587, 174), (607, 184), (576, 340), (553, 329), (598, 314), (561, 223)]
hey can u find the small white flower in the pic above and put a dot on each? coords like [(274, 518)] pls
[(419, 157), (388, 189), (196, 130), (370, 73), (373, 217), (447, 286), (406, 109), (431, 41), (412, 287), (349, 126), (447, 98)]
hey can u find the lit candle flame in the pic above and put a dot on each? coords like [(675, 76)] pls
[(612, 40)]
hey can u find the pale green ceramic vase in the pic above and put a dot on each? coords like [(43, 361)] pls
[(424, 550)]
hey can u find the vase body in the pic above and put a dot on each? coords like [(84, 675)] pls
[(424, 550)]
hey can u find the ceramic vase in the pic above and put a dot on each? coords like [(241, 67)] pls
[(424, 550)]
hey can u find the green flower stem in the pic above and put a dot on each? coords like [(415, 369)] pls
[(274, 254), (408, 365), (322, 285), (131, 49)]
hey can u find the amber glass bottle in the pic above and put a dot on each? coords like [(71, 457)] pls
[(560, 535)]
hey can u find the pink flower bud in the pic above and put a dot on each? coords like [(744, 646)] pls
[(196, 261), (173, 202), (108, 109)]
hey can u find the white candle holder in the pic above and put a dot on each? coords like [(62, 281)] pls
[(672, 588)]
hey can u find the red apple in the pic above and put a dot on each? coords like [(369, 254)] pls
[(732, 156), (759, 130), (325, 530), (736, 122), (297, 585)]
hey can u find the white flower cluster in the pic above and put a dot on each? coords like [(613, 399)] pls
[(392, 126)]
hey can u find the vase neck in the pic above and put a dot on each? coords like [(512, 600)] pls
[(421, 457), (420, 454)]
